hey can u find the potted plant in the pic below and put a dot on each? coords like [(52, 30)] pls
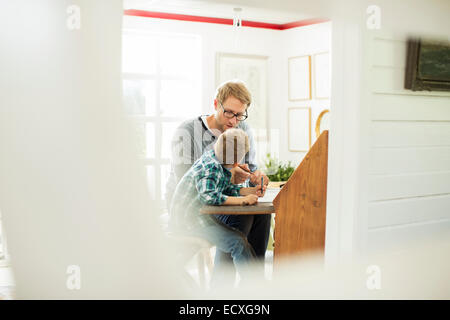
[(277, 172)]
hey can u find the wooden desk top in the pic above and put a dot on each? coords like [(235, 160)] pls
[(259, 208)]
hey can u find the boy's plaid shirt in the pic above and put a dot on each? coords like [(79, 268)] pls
[(207, 182)]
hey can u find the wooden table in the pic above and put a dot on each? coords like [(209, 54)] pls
[(259, 208)]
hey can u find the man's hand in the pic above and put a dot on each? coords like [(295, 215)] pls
[(240, 173)]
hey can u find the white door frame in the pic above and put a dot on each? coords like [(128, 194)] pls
[(346, 194)]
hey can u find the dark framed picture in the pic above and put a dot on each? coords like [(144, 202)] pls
[(427, 65)]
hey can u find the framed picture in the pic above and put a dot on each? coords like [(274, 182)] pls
[(252, 69), (427, 65), (299, 78), (322, 75), (299, 129)]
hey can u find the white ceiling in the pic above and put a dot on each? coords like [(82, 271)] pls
[(217, 9)]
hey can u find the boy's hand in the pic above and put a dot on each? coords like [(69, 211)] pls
[(253, 190), (259, 192), (255, 178), (249, 199)]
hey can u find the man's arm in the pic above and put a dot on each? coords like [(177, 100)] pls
[(182, 157), (241, 173), (249, 169), (250, 157), (182, 147)]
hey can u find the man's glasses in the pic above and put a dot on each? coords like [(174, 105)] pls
[(230, 115)]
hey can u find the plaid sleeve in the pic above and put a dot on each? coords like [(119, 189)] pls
[(233, 190), (208, 193)]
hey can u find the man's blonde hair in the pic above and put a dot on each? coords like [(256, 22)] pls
[(235, 88), (232, 146)]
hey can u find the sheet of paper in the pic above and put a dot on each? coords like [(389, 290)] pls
[(270, 194)]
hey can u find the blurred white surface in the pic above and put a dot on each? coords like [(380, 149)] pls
[(270, 195)]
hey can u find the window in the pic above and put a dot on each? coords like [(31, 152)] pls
[(161, 88)]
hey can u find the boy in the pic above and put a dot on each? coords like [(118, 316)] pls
[(208, 182)]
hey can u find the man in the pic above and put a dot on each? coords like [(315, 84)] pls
[(196, 136)]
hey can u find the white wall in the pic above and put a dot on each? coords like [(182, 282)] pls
[(300, 41), (277, 45), (409, 151)]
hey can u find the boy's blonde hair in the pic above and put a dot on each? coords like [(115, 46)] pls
[(232, 146), (235, 88)]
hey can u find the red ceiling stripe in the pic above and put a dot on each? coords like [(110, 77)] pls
[(302, 23), (175, 16), (245, 23), (264, 25)]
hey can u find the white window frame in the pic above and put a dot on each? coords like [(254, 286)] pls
[(158, 161)]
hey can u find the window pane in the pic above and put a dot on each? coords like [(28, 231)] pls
[(145, 139), (140, 138), (151, 181), (150, 139), (139, 97), (168, 130), (165, 171), (139, 53), (179, 98)]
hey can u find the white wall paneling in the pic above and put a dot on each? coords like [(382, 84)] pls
[(409, 152), (407, 235), (386, 213), (408, 185), (385, 161), (404, 107), (410, 133)]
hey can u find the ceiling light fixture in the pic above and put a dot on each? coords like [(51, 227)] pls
[(237, 21)]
